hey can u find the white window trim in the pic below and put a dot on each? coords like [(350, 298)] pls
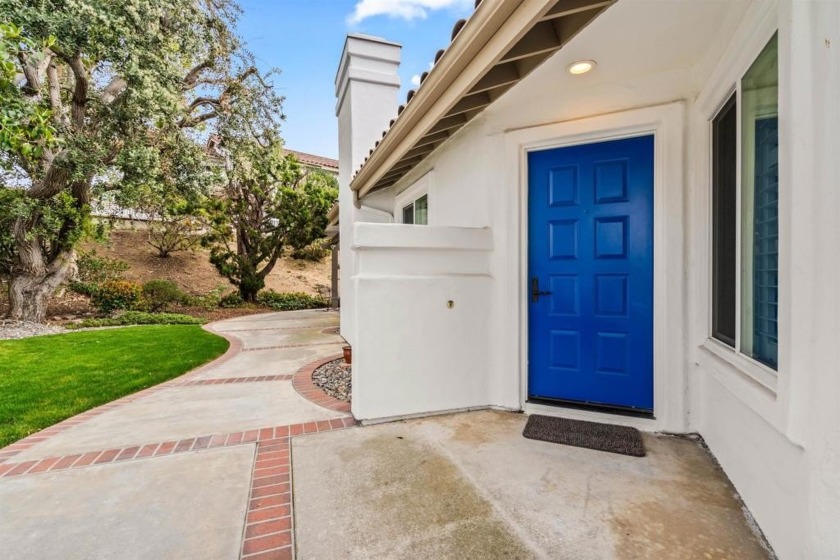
[(422, 186), (761, 388), (745, 363)]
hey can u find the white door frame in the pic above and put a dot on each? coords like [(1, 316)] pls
[(667, 124)]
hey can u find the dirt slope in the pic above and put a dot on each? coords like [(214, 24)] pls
[(193, 271)]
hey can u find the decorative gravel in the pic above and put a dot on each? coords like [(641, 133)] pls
[(334, 379), (22, 329)]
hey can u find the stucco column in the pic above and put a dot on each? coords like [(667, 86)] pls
[(366, 87)]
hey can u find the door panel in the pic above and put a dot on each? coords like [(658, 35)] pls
[(591, 247)]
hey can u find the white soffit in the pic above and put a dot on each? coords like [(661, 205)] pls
[(501, 43)]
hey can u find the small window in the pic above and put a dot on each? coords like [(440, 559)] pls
[(417, 212), (748, 320)]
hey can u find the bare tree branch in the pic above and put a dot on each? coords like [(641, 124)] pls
[(117, 86), (33, 69), (192, 77), (80, 91), (54, 84)]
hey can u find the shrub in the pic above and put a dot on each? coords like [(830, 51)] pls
[(117, 294), (314, 252), (233, 299), (158, 294), (208, 301), (94, 269), (138, 318), (83, 288), (289, 301)]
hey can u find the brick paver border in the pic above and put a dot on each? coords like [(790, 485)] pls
[(8, 452), (229, 380), (268, 529), (303, 384), (157, 449), (310, 327), (302, 345)]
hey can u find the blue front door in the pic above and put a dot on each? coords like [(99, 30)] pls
[(590, 281)]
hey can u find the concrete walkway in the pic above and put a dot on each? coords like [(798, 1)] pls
[(200, 467), (194, 468)]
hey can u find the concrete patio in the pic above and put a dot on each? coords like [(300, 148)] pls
[(236, 460), (470, 486)]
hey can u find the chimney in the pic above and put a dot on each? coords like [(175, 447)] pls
[(366, 87)]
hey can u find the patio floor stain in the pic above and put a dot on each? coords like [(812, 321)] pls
[(414, 503), (662, 526)]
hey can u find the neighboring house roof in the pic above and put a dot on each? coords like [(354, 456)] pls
[(502, 42), (315, 161), (214, 149)]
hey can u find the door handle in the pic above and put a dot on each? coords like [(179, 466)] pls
[(535, 290)]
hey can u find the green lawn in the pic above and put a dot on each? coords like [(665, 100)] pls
[(46, 379)]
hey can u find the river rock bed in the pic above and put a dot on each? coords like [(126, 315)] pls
[(24, 329), (334, 379)]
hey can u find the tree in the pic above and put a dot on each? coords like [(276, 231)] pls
[(98, 86), (172, 192), (269, 204)]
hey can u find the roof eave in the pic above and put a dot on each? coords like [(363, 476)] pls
[(481, 52)]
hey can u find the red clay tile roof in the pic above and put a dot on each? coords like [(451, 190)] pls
[(311, 159)]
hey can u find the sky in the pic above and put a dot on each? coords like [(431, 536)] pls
[(304, 38)]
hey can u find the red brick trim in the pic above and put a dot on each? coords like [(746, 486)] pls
[(229, 380), (102, 456), (311, 327), (303, 384), (269, 525), (281, 346), (6, 453)]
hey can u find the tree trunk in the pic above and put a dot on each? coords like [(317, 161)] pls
[(28, 297), (29, 293), (249, 286)]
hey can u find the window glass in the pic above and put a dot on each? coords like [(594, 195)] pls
[(421, 210), (408, 214), (724, 227), (760, 207)]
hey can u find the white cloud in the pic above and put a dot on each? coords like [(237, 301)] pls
[(415, 79), (403, 9)]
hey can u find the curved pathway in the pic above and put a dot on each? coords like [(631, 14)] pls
[(197, 467)]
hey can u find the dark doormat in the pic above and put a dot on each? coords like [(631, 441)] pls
[(591, 435)]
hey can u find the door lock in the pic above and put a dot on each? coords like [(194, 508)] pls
[(535, 290)]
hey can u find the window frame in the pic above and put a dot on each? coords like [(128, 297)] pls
[(409, 197), (763, 373)]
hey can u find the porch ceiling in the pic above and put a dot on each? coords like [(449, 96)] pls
[(501, 43)]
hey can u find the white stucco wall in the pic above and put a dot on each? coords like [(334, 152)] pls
[(366, 87), (423, 296), (779, 442)]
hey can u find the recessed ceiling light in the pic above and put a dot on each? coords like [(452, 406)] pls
[(581, 67)]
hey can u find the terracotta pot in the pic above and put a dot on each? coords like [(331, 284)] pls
[(348, 354)]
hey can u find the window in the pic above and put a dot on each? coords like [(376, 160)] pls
[(747, 319), (724, 227), (411, 206), (417, 212)]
